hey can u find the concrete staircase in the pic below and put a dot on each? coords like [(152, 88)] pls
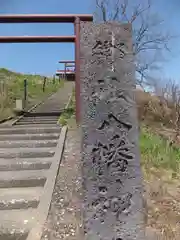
[(38, 120), (26, 156), (30, 154)]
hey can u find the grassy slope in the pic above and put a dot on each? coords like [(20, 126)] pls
[(160, 164), (12, 88)]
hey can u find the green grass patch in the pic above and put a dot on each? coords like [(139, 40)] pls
[(156, 152), (69, 113)]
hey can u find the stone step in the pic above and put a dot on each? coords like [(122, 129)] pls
[(8, 234), (46, 108), (54, 103), (44, 113), (18, 179), (16, 224), (33, 136), (30, 126), (28, 143), (20, 198), (25, 164), (38, 126), (26, 152), (49, 107), (53, 122), (29, 129), (39, 118)]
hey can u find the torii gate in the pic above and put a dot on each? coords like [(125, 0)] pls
[(51, 18), (68, 63)]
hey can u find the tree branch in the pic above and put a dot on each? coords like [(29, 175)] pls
[(148, 40)]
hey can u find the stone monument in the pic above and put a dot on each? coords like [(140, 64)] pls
[(112, 179)]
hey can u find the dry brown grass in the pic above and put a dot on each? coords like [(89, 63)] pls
[(153, 110)]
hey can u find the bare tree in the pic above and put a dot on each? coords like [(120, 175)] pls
[(149, 40), (168, 92), (172, 90)]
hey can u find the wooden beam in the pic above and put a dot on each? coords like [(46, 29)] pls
[(44, 18), (36, 39)]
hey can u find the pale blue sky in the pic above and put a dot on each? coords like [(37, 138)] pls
[(42, 58)]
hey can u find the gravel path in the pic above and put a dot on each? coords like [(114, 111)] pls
[(64, 220)]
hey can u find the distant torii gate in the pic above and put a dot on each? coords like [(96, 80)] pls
[(51, 18), (68, 63)]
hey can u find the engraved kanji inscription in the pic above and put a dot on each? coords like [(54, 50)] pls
[(111, 167)]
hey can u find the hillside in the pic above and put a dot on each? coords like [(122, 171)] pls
[(160, 161), (12, 88)]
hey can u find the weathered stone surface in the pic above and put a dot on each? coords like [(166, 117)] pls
[(113, 205)]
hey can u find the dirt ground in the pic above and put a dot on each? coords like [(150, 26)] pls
[(163, 194), (64, 220)]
